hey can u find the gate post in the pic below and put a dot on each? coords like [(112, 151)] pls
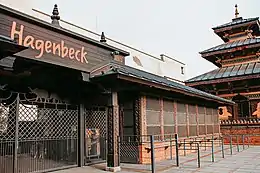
[(113, 133), (81, 135), (16, 135)]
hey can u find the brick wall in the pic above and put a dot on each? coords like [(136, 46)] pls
[(239, 130)]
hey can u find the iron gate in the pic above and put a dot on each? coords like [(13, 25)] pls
[(95, 134), (129, 149), (36, 133)]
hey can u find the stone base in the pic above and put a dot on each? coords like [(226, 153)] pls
[(113, 169)]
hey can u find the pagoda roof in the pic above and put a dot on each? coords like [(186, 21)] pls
[(234, 44), (234, 72), (236, 21)]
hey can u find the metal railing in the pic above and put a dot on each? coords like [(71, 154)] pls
[(202, 147)]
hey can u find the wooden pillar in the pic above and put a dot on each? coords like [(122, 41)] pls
[(187, 120), (113, 133), (81, 135), (249, 109), (143, 123), (161, 118), (197, 119), (138, 115), (175, 116), (235, 111), (205, 120)]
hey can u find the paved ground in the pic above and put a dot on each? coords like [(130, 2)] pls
[(244, 161)]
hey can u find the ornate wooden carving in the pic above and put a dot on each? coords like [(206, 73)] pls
[(225, 112), (137, 115), (240, 60), (255, 108), (143, 116), (113, 131)]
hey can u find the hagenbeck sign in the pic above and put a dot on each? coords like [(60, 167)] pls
[(45, 46)]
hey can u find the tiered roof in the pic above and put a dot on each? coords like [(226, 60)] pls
[(225, 73), (238, 35)]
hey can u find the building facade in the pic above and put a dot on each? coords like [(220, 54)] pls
[(66, 99), (236, 77), (161, 65)]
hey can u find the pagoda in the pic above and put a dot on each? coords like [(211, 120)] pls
[(238, 72)]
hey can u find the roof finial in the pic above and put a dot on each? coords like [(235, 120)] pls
[(55, 16), (236, 12), (103, 38)]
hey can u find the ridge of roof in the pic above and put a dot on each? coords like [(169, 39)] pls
[(250, 68), (235, 22), (233, 44)]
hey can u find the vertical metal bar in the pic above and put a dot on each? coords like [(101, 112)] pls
[(198, 148), (16, 135), (237, 144), (212, 149), (243, 141), (222, 147), (177, 149), (106, 149), (231, 152), (184, 147), (152, 153), (171, 147), (81, 136)]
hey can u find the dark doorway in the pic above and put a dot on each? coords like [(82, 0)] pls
[(242, 105)]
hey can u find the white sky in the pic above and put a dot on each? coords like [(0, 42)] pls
[(177, 28)]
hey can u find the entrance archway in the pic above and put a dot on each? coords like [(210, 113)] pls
[(242, 105)]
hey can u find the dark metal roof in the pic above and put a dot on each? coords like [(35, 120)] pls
[(233, 44), (9, 47), (41, 23), (236, 22), (230, 71), (116, 68)]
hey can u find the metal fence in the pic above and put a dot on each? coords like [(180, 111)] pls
[(96, 134), (36, 134), (144, 153)]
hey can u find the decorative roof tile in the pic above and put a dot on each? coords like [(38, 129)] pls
[(236, 22), (230, 71), (230, 45), (116, 68)]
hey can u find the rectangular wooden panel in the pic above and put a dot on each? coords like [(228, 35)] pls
[(52, 47), (168, 118), (153, 130), (182, 131), (169, 130), (202, 129), (152, 103), (167, 106), (193, 131), (153, 117)]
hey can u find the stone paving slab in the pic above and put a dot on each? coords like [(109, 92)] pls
[(246, 161)]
